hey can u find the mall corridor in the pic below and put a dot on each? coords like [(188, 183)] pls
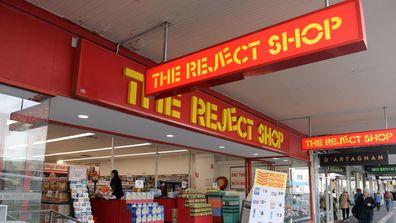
[(381, 216)]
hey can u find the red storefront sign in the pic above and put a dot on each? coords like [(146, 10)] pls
[(358, 139), (111, 79), (327, 33)]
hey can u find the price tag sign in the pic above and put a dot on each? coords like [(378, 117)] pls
[(139, 183)]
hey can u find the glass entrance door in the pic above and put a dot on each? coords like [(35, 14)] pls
[(23, 135)]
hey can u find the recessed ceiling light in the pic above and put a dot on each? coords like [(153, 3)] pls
[(275, 158), (170, 136), (83, 116), (221, 147), (255, 154)]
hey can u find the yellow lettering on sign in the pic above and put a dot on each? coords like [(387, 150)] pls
[(171, 76), (169, 106), (280, 43), (133, 89), (270, 137), (205, 114)]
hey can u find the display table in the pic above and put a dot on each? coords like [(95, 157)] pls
[(110, 211), (169, 204)]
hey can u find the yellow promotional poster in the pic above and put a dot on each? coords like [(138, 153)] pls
[(265, 178), (268, 197)]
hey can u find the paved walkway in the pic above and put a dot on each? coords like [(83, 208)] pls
[(381, 216)]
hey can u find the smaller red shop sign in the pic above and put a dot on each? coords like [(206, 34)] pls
[(327, 33), (55, 168), (358, 139)]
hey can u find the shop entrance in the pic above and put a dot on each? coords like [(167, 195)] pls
[(23, 135), (351, 171)]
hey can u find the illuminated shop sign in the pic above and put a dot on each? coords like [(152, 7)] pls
[(353, 159), (327, 33), (350, 140), (111, 79)]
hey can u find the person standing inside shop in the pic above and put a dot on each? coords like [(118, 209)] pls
[(116, 185), (344, 205), (378, 200), (365, 205), (388, 200)]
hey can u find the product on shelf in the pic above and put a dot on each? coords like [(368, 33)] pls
[(54, 190), (143, 209), (81, 201)]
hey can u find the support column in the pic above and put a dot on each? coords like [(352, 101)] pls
[(314, 187), (327, 195), (156, 167), (348, 180), (112, 153)]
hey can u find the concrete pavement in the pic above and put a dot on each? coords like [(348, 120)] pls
[(381, 216)]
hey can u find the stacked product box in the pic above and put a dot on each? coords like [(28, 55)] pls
[(231, 208), (215, 200), (143, 209), (81, 202), (196, 202)]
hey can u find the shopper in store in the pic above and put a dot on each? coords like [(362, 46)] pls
[(364, 206), (378, 199), (388, 199), (116, 185), (344, 203)]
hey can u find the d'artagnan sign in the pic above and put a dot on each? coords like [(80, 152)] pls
[(350, 140), (352, 159), (111, 79), (327, 33)]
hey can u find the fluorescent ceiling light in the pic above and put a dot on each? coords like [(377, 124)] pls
[(173, 151), (133, 145), (10, 122), (285, 160), (221, 147), (59, 162), (170, 136), (275, 158), (78, 151), (124, 155), (135, 154), (255, 154), (18, 146), (65, 138), (97, 150), (87, 158), (83, 116)]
